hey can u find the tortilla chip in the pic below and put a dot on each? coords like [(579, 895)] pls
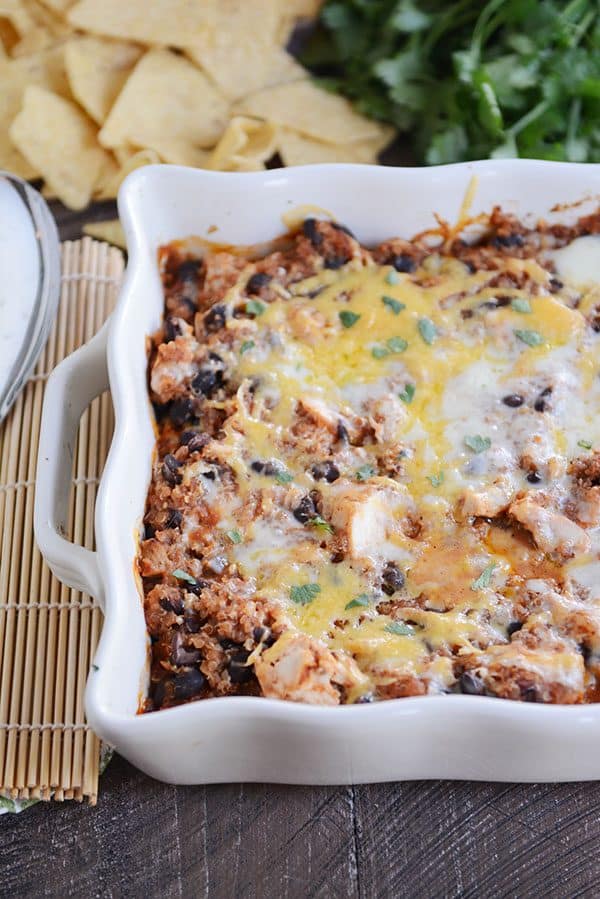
[(296, 149), (43, 17), (245, 146), (111, 231), (180, 152), (110, 182), (165, 96), (8, 37), (236, 50), (303, 107), (33, 41), (59, 6), (60, 142), (283, 68), (14, 11), (175, 23), (97, 69), (44, 69)]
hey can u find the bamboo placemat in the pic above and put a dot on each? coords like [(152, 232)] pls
[(48, 632)]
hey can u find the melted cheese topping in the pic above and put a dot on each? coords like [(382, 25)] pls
[(414, 368)]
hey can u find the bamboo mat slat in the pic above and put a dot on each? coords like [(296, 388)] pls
[(48, 632)]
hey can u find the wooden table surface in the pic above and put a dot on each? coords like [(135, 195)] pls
[(421, 839)]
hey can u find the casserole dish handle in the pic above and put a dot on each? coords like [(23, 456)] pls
[(71, 387)]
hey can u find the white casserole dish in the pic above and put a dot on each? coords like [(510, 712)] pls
[(255, 739)]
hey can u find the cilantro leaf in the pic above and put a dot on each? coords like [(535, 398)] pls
[(365, 472), (247, 345), (235, 536), (182, 575), (427, 330), (379, 352), (477, 443), (396, 344), (436, 479), (284, 477), (358, 601), (392, 277), (531, 338), (585, 444), (395, 305), (348, 318), (255, 307), (407, 394), (399, 628), (321, 525), (304, 594), (522, 305), (485, 577)]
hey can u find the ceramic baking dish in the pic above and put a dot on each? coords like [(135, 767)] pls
[(250, 738)]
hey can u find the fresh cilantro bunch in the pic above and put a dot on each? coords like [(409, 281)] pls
[(466, 79)]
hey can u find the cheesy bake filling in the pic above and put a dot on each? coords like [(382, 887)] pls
[(377, 471)]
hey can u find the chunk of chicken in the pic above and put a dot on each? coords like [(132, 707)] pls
[(302, 669), (486, 503), (536, 675), (173, 367), (554, 533), (365, 516), (386, 415)]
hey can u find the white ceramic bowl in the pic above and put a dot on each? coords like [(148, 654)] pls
[(243, 738)]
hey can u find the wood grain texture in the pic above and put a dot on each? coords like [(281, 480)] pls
[(437, 839)]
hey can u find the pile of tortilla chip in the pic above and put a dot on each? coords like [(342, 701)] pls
[(92, 89)]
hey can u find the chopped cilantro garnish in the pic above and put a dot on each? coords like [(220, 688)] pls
[(234, 536), (304, 594), (255, 307), (362, 600), (396, 344), (365, 472), (436, 480), (380, 352), (184, 576), (399, 629), (585, 444), (520, 304), (427, 330), (392, 277), (408, 393), (395, 305), (531, 338), (284, 477), (484, 578), (348, 318), (477, 443), (247, 345), (321, 525)]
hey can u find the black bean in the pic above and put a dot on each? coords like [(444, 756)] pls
[(392, 579), (194, 441), (513, 627), (466, 313), (335, 262), (364, 699), (257, 466), (196, 588), (215, 318), (508, 240), (174, 519), (338, 227), (188, 684), (169, 470), (263, 634), (182, 656), (325, 471), (210, 475), (191, 621), (181, 411), (556, 284), (305, 511), (534, 477), (189, 270), (530, 694), (172, 604), (239, 671), (503, 301), (514, 400), (149, 531), (206, 382), (257, 281), (342, 432), (403, 263), (471, 684), (471, 267), (540, 404), (310, 230), (171, 329), (159, 693)]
